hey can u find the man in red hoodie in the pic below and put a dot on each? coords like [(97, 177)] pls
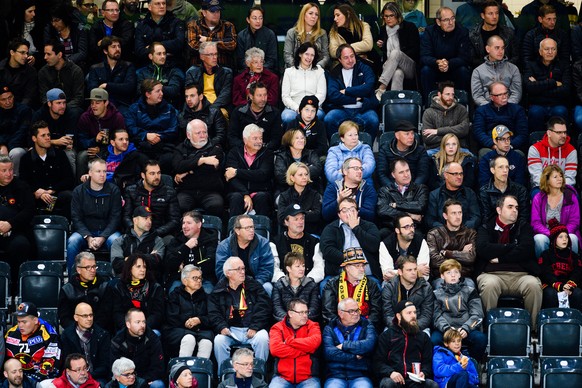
[(294, 341), (76, 374)]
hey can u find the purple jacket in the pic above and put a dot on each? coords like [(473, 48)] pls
[(570, 215)]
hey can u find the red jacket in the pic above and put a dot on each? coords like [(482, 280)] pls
[(240, 82), (294, 350), (63, 382)]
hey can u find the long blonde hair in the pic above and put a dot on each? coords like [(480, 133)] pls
[(440, 158), (300, 25), (352, 22)]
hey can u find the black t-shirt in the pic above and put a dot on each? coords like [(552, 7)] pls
[(485, 35), (244, 255)]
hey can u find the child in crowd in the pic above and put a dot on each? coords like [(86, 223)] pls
[(451, 368), (560, 268), (458, 306)]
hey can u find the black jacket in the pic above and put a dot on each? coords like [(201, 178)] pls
[(283, 159), (54, 172), (531, 43), (203, 177), (283, 246), (169, 31), (414, 201), (152, 306), (94, 293), (332, 246), (213, 118), (100, 349), (145, 352), (259, 305), (18, 209), (120, 81), (417, 159), (545, 90), (23, 82), (329, 301), (203, 256), (253, 178), (489, 195), (269, 119), (283, 293), (407, 37), (421, 294), (15, 126), (316, 136), (310, 201), (518, 255), (222, 83), (96, 211), (465, 195), (128, 171), (163, 203), (123, 29)]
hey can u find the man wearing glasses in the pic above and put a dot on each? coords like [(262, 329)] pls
[(83, 286), (445, 53), (111, 25), (239, 310), (502, 139), (89, 339), (349, 341), (453, 188), (76, 374), (294, 342), (554, 148), (353, 282), (243, 363), (500, 112)]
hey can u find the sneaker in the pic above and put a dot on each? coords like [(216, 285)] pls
[(379, 93)]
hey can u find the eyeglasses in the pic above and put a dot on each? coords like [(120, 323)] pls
[(504, 139), (559, 132), (346, 210), (448, 20), (506, 94), (356, 168), (239, 269), (408, 227), (85, 316), (250, 227), (211, 54), (456, 174), (352, 312), (390, 16), (128, 374), (116, 10), (196, 278), (80, 370), (359, 265), (89, 267), (300, 312), (246, 364)]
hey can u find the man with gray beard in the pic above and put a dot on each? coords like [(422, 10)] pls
[(198, 166)]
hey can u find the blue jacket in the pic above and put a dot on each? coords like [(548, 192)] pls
[(511, 115), (142, 119), (445, 366), (172, 79), (455, 46), (338, 154), (517, 167), (343, 364), (363, 86), (261, 260), (366, 198)]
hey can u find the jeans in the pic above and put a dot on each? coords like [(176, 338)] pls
[(538, 115), (368, 120), (460, 380), (542, 243), (577, 118), (77, 243), (358, 382), (288, 115), (476, 341), (157, 384), (222, 344), (279, 382)]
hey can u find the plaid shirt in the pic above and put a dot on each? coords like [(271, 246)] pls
[(224, 34)]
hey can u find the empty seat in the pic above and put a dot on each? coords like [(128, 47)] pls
[(508, 332), (561, 372), (262, 225), (50, 236), (510, 372), (560, 332), (201, 368), (40, 283), (400, 105), (5, 281), (213, 222)]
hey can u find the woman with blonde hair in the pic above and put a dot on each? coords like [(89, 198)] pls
[(307, 29), (450, 151), (555, 200), (348, 28)]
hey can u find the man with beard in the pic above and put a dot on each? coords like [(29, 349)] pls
[(444, 116), (401, 346), (14, 376), (114, 75), (199, 165), (111, 25), (129, 10), (198, 107)]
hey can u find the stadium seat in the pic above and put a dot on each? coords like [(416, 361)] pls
[(40, 283), (50, 236), (505, 372), (508, 332), (201, 369), (461, 97), (50, 315), (561, 372), (536, 136), (213, 222), (262, 225), (560, 333), (400, 105), (364, 137), (5, 281)]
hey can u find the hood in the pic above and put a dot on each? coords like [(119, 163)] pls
[(357, 148), (546, 143), (495, 63), (436, 105)]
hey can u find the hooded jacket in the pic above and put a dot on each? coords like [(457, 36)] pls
[(123, 169), (142, 119), (417, 159), (457, 305), (453, 119), (541, 154), (495, 71), (283, 293), (445, 366), (339, 153), (96, 211)]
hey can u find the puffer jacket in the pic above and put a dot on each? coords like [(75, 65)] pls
[(545, 90), (344, 363), (495, 71), (489, 195), (457, 305), (454, 119), (445, 365), (439, 239), (417, 159), (420, 293), (283, 293), (295, 350), (531, 43), (339, 153), (141, 119)]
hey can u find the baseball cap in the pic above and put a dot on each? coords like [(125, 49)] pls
[(25, 309), (293, 210), (500, 131), (98, 94), (55, 94), (142, 211), (211, 5), (404, 125), (403, 304)]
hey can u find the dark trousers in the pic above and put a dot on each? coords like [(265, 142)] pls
[(262, 203)]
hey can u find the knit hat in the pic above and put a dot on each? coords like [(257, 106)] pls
[(403, 304), (404, 125), (177, 370), (555, 230), (309, 100), (5, 88)]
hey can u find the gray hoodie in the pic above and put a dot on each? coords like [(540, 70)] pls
[(493, 71)]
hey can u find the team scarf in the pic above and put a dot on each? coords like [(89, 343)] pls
[(360, 293)]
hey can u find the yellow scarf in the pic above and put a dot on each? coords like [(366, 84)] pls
[(360, 293)]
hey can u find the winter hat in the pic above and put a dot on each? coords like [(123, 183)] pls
[(175, 373), (309, 100), (555, 229)]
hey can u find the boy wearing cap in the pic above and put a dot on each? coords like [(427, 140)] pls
[(35, 343)]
